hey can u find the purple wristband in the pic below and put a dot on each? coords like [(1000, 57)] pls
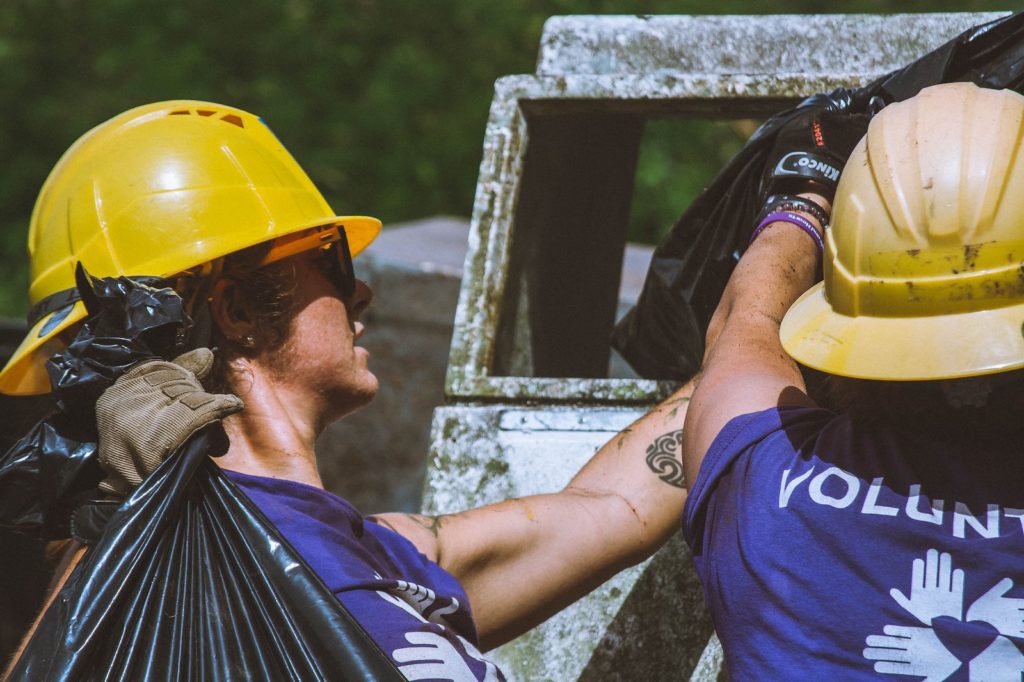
[(793, 219)]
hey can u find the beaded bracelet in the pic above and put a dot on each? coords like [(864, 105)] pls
[(793, 219), (790, 202)]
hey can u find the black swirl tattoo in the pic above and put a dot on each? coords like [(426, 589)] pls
[(663, 457)]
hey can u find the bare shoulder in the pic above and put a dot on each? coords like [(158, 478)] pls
[(421, 530)]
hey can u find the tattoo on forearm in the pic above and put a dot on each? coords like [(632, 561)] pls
[(676, 404), (431, 523), (663, 458)]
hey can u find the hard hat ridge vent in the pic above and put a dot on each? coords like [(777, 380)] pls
[(229, 117)]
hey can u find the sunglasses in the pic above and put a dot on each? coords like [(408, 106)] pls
[(334, 256)]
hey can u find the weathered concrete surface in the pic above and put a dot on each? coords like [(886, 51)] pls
[(775, 44), (505, 433), (710, 667)]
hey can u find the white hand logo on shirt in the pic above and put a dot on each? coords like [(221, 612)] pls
[(439, 659), (911, 651), (1000, 662), (435, 658), (1005, 614), (935, 589)]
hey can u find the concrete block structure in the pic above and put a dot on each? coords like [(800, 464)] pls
[(529, 398)]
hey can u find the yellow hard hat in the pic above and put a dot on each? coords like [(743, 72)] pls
[(156, 191), (924, 260)]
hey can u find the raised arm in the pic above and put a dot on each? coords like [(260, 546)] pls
[(745, 368), (523, 560)]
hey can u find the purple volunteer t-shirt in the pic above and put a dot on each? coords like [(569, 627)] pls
[(416, 611), (833, 549)]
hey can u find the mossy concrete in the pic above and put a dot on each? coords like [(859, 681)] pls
[(772, 44)]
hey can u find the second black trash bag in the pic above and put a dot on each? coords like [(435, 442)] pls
[(186, 579), (662, 336)]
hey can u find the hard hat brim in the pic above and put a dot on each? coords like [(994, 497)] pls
[(902, 348), (25, 372), (360, 230)]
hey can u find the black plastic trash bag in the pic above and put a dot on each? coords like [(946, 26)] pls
[(662, 336), (186, 579)]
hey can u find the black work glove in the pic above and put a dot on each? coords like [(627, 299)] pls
[(812, 147)]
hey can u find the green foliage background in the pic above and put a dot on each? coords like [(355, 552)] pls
[(383, 102)]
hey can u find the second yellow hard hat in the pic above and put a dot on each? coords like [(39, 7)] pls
[(924, 259)]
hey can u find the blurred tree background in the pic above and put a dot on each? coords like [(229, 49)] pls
[(383, 102)]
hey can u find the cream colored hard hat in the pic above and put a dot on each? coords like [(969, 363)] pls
[(155, 191), (924, 259)]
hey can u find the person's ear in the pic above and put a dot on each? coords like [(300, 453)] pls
[(232, 314)]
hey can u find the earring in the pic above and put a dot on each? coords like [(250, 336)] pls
[(248, 340)]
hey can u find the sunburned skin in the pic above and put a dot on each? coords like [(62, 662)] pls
[(318, 375)]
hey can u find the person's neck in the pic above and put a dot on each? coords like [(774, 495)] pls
[(273, 436)]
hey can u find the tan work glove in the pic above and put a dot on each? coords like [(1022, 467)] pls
[(150, 411)]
